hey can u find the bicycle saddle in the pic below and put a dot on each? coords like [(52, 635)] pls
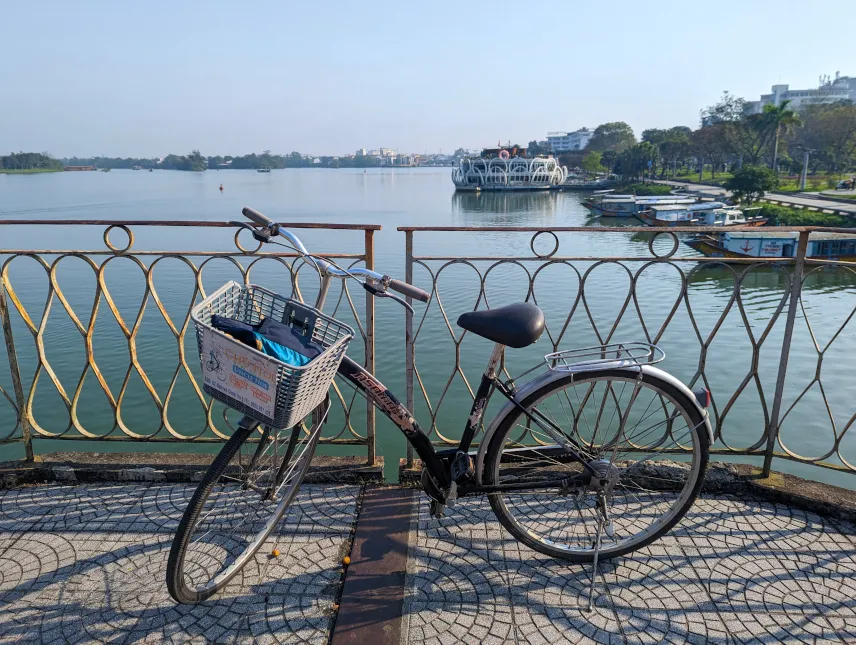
[(517, 325)]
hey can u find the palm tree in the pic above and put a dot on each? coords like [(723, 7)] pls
[(782, 120)]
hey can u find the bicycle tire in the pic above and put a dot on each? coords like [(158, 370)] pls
[(175, 574), (493, 461)]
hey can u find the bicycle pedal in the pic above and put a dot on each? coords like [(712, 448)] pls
[(462, 468)]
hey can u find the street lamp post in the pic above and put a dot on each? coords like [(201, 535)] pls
[(804, 172)]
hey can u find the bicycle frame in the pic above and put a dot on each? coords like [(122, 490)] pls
[(438, 463)]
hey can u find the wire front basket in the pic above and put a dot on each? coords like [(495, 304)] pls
[(272, 392), (599, 357)]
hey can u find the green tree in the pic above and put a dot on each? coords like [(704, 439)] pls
[(780, 119), (729, 109), (710, 143), (534, 149), (31, 161), (676, 147), (634, 162), (750, 183), (829, 131), (196, 161), (750, 137), (591, 163), (672, 145), (616, 136)]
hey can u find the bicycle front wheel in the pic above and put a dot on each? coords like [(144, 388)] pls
[(239, 501), (645, 439)]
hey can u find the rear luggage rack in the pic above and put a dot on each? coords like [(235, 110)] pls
[(599, 357)]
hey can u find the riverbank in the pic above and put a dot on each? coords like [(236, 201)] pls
[(788, 216), (28, 171), (814, 183)]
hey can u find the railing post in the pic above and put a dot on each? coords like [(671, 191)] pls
[(408, 334), (793, 304), (370, 350), (26, 433)]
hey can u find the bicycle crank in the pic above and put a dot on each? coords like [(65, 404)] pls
[(439, 498)]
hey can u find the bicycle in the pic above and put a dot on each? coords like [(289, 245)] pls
[(598, 476)]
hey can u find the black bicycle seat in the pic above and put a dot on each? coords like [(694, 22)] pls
[(517, 325)]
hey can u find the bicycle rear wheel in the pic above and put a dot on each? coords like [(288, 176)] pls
[(239, 501), (644, 437)]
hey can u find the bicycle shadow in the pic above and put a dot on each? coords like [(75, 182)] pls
[(716, 577)]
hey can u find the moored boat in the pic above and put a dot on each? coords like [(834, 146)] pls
[(265, 169), (698, 214), (577, 182), (774, 244), (630, 205)]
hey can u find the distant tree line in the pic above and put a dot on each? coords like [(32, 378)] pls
[(728, 139), (195, 161), (292, 160), (29, 161)]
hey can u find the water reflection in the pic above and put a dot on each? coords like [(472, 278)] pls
[(524, 204), (721, 277)]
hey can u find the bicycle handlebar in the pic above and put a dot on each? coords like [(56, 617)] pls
[(325, 267), (409, 290), (257, 217)]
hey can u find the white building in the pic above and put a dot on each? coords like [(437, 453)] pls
[(567, 141), (842, 88)]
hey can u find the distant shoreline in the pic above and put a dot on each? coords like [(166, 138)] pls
[(29, 171)]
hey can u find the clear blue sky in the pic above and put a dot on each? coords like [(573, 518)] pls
[(149, 78)]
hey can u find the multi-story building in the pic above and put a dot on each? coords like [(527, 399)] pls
[(841, 88), (568, 141)]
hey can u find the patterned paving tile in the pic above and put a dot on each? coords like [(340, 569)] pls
[(91, 568), (734, 571)]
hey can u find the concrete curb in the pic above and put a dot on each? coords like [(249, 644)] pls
[(75, 468)]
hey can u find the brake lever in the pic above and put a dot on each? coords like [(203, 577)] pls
[(399, 300), (380, 293), (260, 234)]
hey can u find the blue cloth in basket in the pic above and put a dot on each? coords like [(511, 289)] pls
[(271, 337)]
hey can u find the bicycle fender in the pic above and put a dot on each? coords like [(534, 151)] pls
[(548, 377)]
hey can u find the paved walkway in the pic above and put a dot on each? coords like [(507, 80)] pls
[(716, 191), (85, 564), (734, 571)]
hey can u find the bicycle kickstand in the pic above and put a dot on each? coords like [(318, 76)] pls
[(602, 521)]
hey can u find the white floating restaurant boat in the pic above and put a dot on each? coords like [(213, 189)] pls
[(509, 168)]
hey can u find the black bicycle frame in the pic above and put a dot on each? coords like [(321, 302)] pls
[(438, 463)]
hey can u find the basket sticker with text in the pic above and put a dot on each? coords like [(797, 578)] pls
[(232, 369)]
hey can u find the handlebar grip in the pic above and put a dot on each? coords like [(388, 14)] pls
[(257, 217), (409, 290)]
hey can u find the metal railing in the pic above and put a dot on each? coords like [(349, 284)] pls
[(768, 342), (27, 331)]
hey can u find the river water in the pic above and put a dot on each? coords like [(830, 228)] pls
[(742, 382)]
